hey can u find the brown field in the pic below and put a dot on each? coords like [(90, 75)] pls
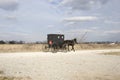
[(39, 47)]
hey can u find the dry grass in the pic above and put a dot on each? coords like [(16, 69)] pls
[(39, 47), (96, 46), (14, 78), (20, 47), (6, 78), (3, 77), (1, 72), (112, 53)]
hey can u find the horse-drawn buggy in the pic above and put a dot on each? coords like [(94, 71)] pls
[(56, 42)]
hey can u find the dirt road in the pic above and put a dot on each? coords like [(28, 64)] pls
[(79, 65)]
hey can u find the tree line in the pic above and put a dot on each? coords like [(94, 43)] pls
[(101, 42), (11, 42), (42, 42), (20, 42)]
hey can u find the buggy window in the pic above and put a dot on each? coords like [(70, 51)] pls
[(58, 37), (62, 37)]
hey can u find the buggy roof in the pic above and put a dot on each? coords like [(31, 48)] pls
[(55, 34)]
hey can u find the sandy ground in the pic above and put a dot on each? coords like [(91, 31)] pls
[(79, 65)]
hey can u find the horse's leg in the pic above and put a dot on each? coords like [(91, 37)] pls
[(68, 47), (73, 48), (65, 47)]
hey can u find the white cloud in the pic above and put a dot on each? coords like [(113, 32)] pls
[(112, 32), (79, 31), (50, 26), (111, 22), (9, 5), (50, 0), (81, 18), (8, 18), (3, 26), (14, 33), (82, 4), (69, 23), (94, 28), (11, 17)]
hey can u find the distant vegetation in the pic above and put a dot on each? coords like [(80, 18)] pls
[(43, 42), (11, 42), (19, 42)]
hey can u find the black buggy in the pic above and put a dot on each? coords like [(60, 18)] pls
[(55, 42)]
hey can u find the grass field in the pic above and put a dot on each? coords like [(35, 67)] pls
[(39, 47)]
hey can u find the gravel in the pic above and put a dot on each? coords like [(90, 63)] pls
[(79, 65)]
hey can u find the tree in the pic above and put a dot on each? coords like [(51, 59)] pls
[(12, 42), (2, 42)]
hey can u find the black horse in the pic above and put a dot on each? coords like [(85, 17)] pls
[(70, 43)]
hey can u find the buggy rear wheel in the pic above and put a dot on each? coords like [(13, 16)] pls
[(45, 48)]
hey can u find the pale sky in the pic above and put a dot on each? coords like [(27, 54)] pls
[(32, 20)]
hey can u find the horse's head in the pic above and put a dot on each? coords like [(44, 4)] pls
[(75, 40)]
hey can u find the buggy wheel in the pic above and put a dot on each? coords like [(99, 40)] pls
[(54, 48), (45, 48)]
